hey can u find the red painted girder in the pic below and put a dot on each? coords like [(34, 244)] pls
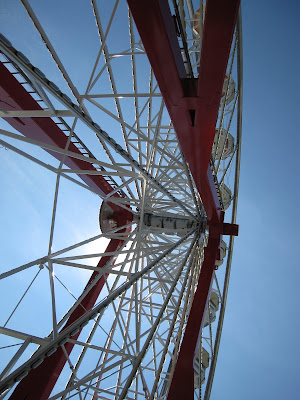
[(14, 97), (182, 384), (39, 383), (181, 94), (193, 107)]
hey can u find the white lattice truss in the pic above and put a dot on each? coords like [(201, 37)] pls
[(130, 339)]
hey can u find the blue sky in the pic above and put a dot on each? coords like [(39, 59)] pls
[(259, 353), (259, 350)]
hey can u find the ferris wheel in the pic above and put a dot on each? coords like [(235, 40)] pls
[(120, 140)]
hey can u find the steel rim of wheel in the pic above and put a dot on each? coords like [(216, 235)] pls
[(137, 345)]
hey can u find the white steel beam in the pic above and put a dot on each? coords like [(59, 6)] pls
[(36, 113)]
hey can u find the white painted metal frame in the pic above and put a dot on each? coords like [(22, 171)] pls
[(131, 338)]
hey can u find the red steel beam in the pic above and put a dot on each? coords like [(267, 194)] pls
[(193, 106), (39, 383), (182, 384), (14, 97)]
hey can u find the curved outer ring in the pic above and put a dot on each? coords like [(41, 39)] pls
[(234, 211)]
